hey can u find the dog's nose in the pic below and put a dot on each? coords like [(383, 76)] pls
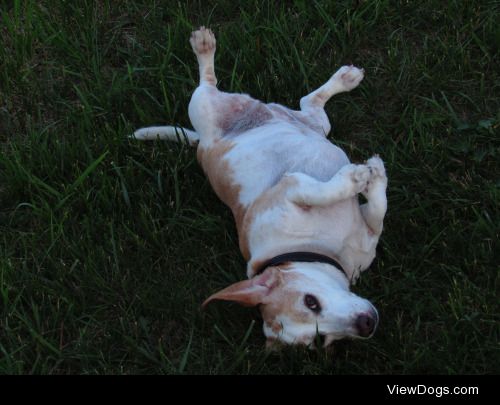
[(366, 323)]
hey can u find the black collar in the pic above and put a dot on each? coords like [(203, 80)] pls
[(299, 257)]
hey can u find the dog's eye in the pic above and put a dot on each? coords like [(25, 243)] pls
[(312, 303)]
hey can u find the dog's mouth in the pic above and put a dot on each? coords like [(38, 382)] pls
[(325, 339), (320, 340)]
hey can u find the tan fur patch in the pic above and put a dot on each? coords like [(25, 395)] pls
[(270, 198), (282, 302), (220, 175), (240, 113), (276, 327)]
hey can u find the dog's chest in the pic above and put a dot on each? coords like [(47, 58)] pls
[(278, 225), (284, 222)]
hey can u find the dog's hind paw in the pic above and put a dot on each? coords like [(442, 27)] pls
[(203, 41), (349, 77)]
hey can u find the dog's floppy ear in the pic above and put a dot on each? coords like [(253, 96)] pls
[(249, 292)]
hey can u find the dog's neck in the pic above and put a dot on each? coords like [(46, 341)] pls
[(306, 253), (300, 256)]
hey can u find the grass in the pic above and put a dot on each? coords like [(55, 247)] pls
[(108, 246)]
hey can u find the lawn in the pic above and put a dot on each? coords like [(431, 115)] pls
[(108, 246)]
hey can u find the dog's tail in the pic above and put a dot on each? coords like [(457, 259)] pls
[(169, 133)]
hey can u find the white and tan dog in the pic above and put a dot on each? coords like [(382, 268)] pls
[(294, 197)]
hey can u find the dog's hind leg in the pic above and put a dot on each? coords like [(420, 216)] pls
[(214, 113), (202, 112), (345, 79), (203, 43)]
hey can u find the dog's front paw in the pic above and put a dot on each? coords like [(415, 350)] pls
[(358, 177), (378, 177), (203, 41), (349, 77), (377, 168)]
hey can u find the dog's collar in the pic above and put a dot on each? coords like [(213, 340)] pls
[(299, 257)]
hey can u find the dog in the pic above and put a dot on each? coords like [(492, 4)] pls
[(294, 198)]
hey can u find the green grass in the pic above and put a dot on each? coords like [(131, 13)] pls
[(108, 246)]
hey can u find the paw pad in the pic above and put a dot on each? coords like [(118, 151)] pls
[(350, 76), (203, 41)]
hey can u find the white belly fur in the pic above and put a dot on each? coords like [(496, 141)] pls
[(263, 155)]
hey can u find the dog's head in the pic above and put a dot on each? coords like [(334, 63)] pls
[(300, 301)]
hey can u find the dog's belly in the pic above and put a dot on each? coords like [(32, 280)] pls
[(260, 157)]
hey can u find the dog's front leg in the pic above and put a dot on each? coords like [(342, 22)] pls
[(374, 210), (348, 182)]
